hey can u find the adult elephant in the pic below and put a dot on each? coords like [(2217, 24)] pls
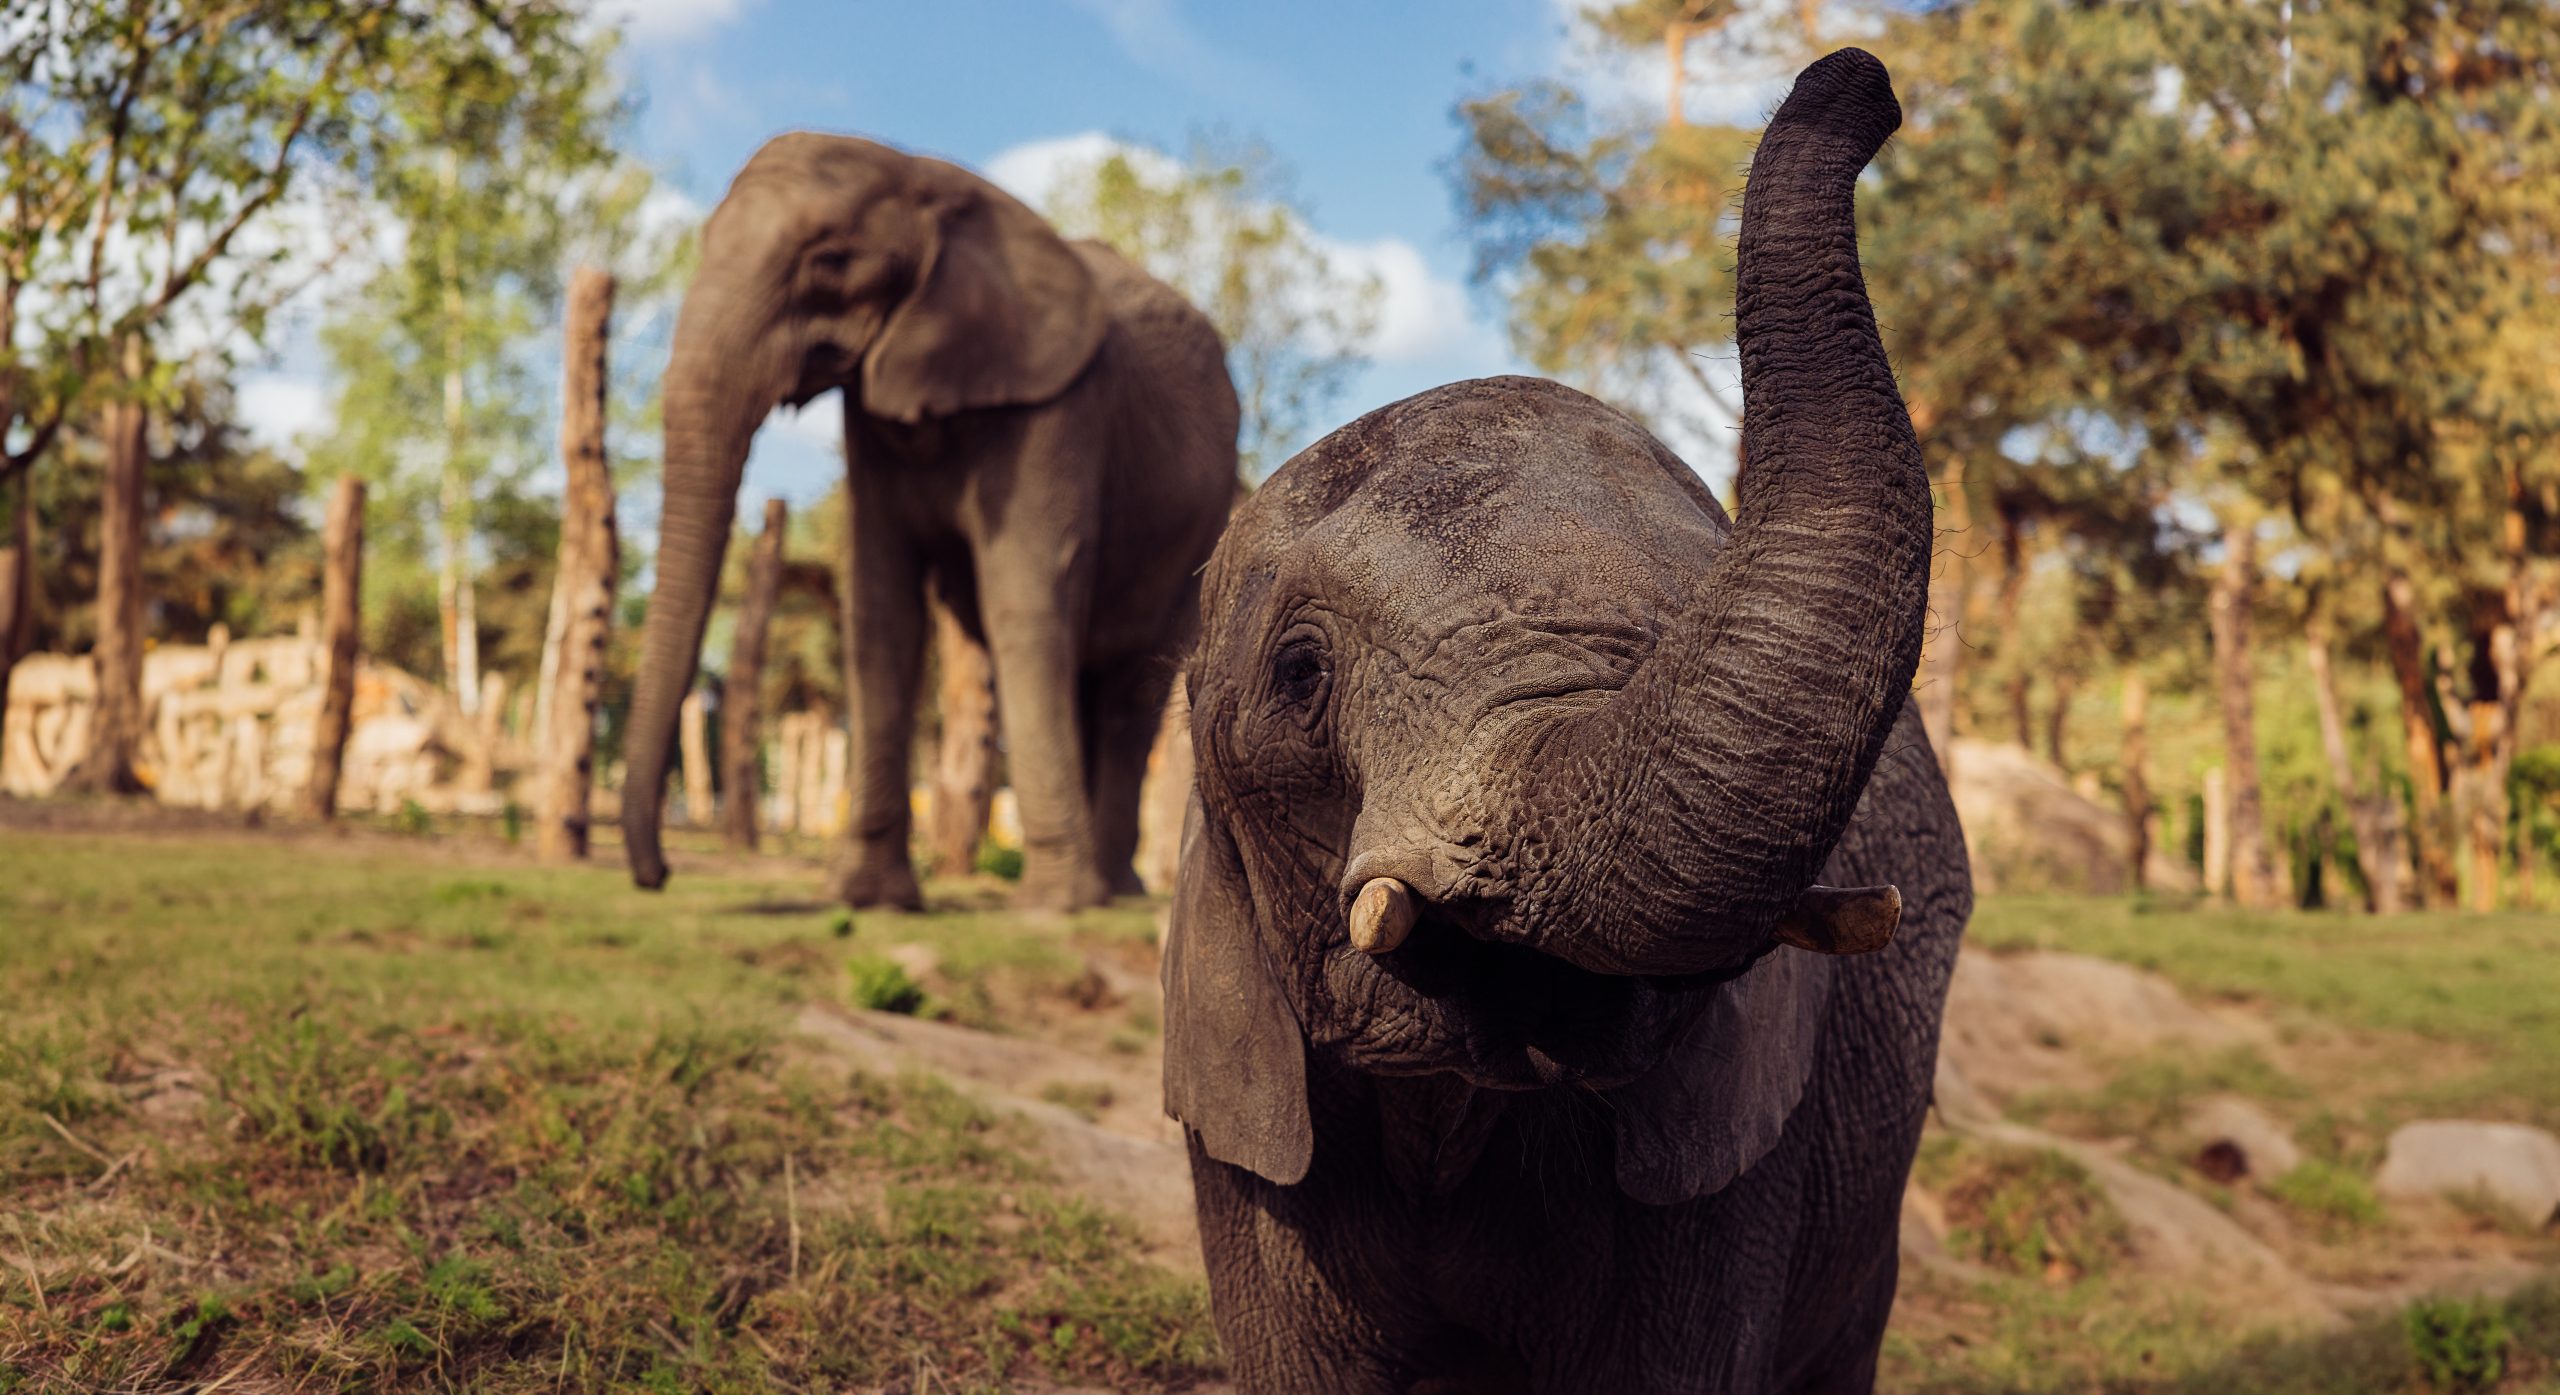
[(1033, 427), (1523, 1039)]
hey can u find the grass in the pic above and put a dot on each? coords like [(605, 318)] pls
[(335, 1115), (382, 1113), (2483, 984)]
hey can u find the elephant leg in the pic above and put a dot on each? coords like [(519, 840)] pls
[(883, 651), (1026, 600), (1124, 707)]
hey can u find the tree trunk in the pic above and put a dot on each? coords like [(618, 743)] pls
[(1942, 660), (2253, 873), (2217, 833), (2480, 786), (2372, 817), (742, 700), (589, 564), (17, 589), (2438, 883), (115, 731), (964, 783), (694, 748), (1675, 53), (2136, 777), (2057, 721), (342, 574)]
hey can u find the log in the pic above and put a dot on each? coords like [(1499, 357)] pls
[(341, 601), (588, 563)]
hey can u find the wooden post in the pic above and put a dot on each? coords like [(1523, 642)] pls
[(2217, 834), (2255, 882), (115, 729), (964, 777), (742, 700), (342, 579), (2136, 776), (1166, 794), (589, 561), (17, 587), (694, 748)]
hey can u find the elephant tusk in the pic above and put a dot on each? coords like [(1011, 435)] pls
[(1382, 916), (1842, 920)]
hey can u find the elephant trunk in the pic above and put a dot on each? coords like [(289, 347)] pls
[(1722, 776), (710, 422)]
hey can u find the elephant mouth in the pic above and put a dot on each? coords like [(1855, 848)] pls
[(1502, 1015)]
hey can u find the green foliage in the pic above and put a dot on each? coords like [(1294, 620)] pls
[(414, 820), (997, 860), (2333, 1197), (2459, 1344), (1222, 227), (879, 984)]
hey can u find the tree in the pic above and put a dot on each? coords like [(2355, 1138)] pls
[(1223, 229), (154, 149)]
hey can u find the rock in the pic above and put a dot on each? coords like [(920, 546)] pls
[(2028, 830), (2233, 1138), (2020, 1022), (2513, 1165)]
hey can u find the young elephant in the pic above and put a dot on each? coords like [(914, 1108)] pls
[(1502, 999)]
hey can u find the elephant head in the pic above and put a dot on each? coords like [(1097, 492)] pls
[(917, 287), (1517, 761)]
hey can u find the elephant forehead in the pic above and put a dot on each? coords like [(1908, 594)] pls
[(1474, 540)]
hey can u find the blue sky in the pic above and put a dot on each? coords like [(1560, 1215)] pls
[(1354, 96)]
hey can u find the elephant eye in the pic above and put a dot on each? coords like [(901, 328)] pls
[(1299, 674), (833, 262)]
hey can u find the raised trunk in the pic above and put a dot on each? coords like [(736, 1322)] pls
[(1942, 663), (342, 574), (710, 418), (1722, 775), (2377, 832), (742, 700), (964, 783), (2253, 872), (589, 563), (2437, 883), (115, 731)]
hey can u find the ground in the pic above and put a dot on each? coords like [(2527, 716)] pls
[(396, 1108)]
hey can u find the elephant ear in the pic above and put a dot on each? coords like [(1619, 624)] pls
[(1720, 1101), (1002, 313), (1235, 1066)]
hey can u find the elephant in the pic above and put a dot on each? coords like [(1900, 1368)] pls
[(1035, 430), (1568, 891)]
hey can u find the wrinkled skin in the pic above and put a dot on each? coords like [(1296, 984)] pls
[(1034, 428), (1587, 1127)]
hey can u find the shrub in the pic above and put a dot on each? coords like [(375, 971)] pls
[(997, 861), (880, 985), (2459, 1344)]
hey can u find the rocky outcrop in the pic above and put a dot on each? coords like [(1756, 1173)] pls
[(2029, 830)]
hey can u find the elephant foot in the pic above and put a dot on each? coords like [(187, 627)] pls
[(877, 885), (1049, 886)]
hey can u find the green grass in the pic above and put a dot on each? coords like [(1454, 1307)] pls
[(2489, 983), (331, 1115)]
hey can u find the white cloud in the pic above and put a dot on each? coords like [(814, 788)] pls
[(278, 410), (1736, 76), (659, 21), (1423, 317), (1154, 35)]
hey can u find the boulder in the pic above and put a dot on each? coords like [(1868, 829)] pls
[(2028, 830), (2232, 1138), (2041, 1020), (2514, 1165)]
